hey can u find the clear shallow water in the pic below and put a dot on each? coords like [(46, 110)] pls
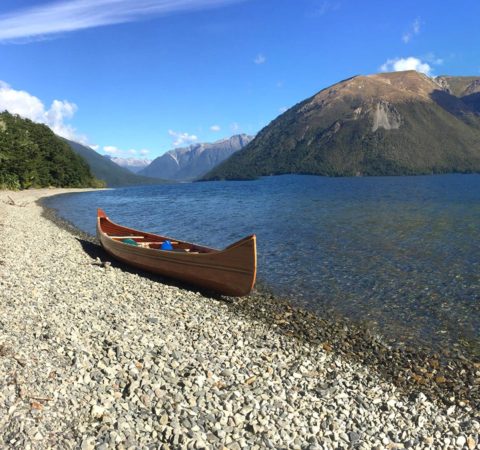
[(399, 253)]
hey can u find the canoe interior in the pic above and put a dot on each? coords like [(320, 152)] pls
[(231, 271), (149, 240)]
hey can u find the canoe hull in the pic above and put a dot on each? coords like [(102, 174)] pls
[(231, 271)]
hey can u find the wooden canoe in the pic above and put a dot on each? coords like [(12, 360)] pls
[(231, 271)]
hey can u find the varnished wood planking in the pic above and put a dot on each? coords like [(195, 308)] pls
[(231, 271)]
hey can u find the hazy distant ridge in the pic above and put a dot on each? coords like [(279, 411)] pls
[(196, 160), (108, 171), (135, 165)]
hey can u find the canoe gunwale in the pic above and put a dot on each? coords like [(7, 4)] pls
[(231, 271), (174, 258)]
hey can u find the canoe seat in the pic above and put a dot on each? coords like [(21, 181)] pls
[(231, 271)]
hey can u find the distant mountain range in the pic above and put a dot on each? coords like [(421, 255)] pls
[(396, 123), (111, 173), (192, 162), (135, 165)]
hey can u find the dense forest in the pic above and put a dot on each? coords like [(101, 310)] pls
[(31, 155)]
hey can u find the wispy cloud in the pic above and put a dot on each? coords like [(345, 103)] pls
[(235, 127), (433, 59), (28, 106), (112, 150), (412, 31), (260, 59), (182, 138), (410, 63), (215, 128), (325, 6), (71, 15)]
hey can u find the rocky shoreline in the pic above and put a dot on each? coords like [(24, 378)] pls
[(97, 355)]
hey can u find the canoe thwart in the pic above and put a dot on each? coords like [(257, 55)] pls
[(230, 271)]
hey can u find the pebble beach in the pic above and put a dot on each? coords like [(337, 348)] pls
[(95, 355)]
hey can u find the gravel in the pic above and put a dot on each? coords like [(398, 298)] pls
[(98, 356)]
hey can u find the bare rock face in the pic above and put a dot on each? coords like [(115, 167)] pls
[(443, 84), (459, 86), (473, 88), (385, 116), (357, 112)]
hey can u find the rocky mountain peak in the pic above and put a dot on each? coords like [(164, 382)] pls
[(189, 163), (381, 124)]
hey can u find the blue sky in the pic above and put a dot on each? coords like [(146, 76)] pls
[(139, 77)]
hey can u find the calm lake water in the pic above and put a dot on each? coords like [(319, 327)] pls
[(401, 254)]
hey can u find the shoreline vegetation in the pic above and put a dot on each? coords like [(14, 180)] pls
[(95, 354), (33, 156)]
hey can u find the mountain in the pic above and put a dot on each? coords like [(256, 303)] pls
[(468, 88), (134, 165), (384, 124), (196, 160), (31, 155), (111, 173)]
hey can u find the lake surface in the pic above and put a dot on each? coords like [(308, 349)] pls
[(401, 254)]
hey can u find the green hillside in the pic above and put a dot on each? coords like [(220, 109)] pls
[(387, 124), (111, 173), (31, 155)]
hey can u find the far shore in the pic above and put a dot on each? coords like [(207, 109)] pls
[(39, 193), (96, 354)]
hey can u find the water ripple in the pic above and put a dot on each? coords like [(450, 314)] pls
[(399, 253)]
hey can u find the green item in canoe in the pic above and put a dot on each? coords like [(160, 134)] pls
[(129, 241)]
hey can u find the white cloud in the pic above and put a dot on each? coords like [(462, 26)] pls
[(410, 63), (412, 31), (283, 109), (28, 106), (70, 15), (260, 59), (235, 127), (215, 128), (94, 147), (58, 112), (113, 150), (182, 138)]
